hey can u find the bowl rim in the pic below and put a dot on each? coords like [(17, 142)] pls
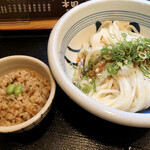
[(22, 126), (100, 110)]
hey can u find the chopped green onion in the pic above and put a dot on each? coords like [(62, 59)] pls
[(90, 63), (142, 55), (124, 35), (107, 57), (136, 51), (139, 48), (94, 86), (119, 64), (104, 50), (86, 89), (111, 69), (145, 70)]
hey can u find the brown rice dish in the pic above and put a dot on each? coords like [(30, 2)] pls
[(18, 109)]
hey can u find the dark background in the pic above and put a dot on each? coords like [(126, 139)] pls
[(67, 126)]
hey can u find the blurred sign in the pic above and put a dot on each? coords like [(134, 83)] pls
[(13, 10), (25, 10)]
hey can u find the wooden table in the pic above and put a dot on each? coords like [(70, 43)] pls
[(29, 25)]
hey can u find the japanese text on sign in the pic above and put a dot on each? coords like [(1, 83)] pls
[(69, 4)]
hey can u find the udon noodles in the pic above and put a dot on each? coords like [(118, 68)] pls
[(113, 67)]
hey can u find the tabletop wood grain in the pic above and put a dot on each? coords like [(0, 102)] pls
[(28, 25)]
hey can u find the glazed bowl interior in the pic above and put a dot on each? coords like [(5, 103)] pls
[(75, 28), (12, 63)]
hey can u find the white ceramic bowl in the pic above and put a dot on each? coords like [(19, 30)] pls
[(19, 61), (73, 29)]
